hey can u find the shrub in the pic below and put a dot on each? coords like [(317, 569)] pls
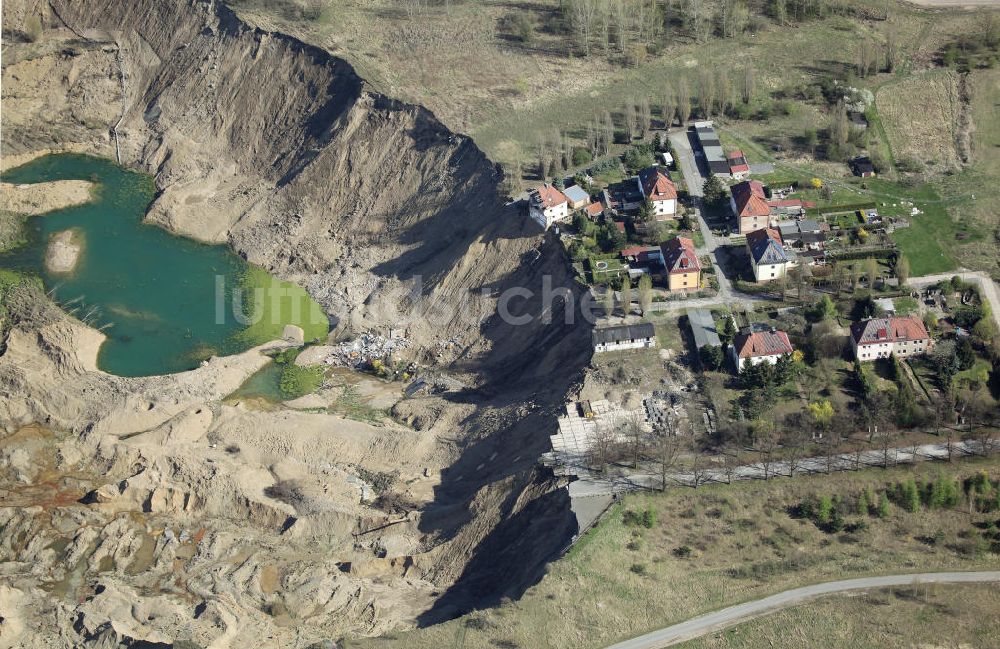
[(297, 381), (581, 156), (639, 569), (683, 552)]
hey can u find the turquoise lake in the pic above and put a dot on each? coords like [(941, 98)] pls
[(152, 293)]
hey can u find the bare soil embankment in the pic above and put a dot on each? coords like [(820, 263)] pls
[(219, 523)]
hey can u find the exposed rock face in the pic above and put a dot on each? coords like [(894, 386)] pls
[(281, 150)]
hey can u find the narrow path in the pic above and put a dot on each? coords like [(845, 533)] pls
[(733, 615)]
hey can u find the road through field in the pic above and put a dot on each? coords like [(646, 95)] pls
[(727, 617)]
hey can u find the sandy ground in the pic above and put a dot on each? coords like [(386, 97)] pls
[(39, 198), (63, 251)]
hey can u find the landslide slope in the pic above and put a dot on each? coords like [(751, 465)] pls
[(389, 220)]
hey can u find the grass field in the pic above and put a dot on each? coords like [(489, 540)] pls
[(920, 115), (278, 303), (707, 549), (930, 616)]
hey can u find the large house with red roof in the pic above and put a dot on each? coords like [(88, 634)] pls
[(546, 205), (681, 263), (660, 191), (758, 344), (901, 336), (749, 204)]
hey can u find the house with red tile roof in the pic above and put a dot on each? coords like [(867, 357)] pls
[(682, 265), (759, 344), (660, 191), (749, 204), (738, 166), (901, 336), (546, 205), (594, 210)]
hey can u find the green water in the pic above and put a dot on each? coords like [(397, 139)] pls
[(152, 293), (265, 384)]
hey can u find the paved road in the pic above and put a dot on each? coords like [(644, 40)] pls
[(727, 617), (647, 478), (694, 180)]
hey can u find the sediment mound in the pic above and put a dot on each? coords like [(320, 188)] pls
[(225, 523)]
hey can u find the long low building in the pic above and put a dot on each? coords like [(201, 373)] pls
[(636, 336), (715, 157), (703, 328)]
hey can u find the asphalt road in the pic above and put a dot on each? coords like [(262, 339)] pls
[(727, 617)]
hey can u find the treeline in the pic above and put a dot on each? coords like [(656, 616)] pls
[(631, 30)]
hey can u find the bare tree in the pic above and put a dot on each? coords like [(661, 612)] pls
[(668, 448), (699, 465), (581, 19), (725, 90), (766, 443), (731, 463), (668, 106), (706, 92), (591, 138), (683, 101), (631, 121), (608, 129), (749, 84), (645, 117), (645, 294), (600, 453), (608, 301)]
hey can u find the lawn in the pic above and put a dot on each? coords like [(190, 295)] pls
[(709, 548), (926, 615)]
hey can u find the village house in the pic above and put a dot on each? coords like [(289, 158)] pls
[(576, 196), (681, 263), (641, 255), (749, 204), (594, 210), (546, 205), (862, 166), (660, 191), (638, 336), (738, 167), (881, 337), (758, 344), (767, 256)]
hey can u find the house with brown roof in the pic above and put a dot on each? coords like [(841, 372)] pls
[(758, 344), (749, 204), (660, 191), (738, 167), (901, 336), (546, 205), (767, 255), (594, 210), (682, 266)]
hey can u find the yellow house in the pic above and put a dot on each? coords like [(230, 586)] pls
[(681, 262)]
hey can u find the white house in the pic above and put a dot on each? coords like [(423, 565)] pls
[(637, 336), (755, 345), (660, 191), (546, 205), (882, 337), (767, 257)]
